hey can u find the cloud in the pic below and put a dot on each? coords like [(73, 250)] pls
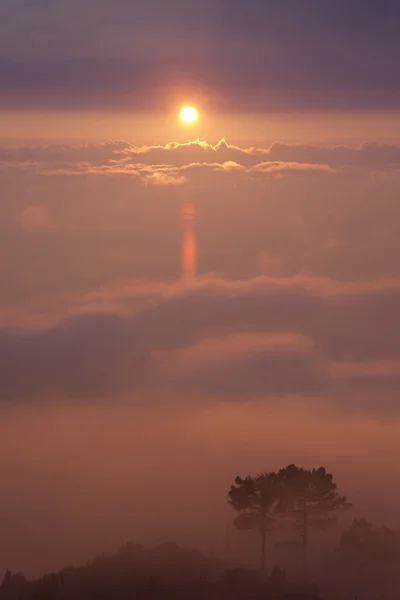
[(280, 168), (111, 222), (249, 365), (93, 304), (36, 217), (263, 338), (92, 355), (162, 178), (176, 163), (102, 69), (367, 155)]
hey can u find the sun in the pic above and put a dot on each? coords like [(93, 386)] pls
[(189, 114)]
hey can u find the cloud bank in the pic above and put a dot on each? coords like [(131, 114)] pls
[(119, 158), (260, 338), (285, 303)]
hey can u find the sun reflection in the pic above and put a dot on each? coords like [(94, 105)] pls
[(189, 250)]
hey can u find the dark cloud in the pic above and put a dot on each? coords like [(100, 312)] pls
[(257, 338), (86, 356), (155, 85), (240, 56), (244, 366)]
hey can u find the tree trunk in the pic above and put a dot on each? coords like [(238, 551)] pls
[(305, 545), (263, 534)]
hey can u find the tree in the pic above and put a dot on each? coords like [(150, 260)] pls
[(255, 499), (310, 497), (366, 563)]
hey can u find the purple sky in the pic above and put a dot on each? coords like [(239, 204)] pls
[(246, 56)]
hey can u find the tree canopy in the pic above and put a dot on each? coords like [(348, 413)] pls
[(308, 498)]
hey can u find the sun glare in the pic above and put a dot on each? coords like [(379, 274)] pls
[(188, 114)]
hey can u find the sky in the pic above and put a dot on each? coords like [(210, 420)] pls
[(180, 305), (98, 69)]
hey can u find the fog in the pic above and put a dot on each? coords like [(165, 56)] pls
[(80, 478)]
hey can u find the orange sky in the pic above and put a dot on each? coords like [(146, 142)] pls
[(158, 128)]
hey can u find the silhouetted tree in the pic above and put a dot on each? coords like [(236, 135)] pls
[(6, 579), (310, 497), (14, 586), (49, 587), (255, 499)]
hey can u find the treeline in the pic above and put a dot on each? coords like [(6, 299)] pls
[(165, 572), (365, 564)]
